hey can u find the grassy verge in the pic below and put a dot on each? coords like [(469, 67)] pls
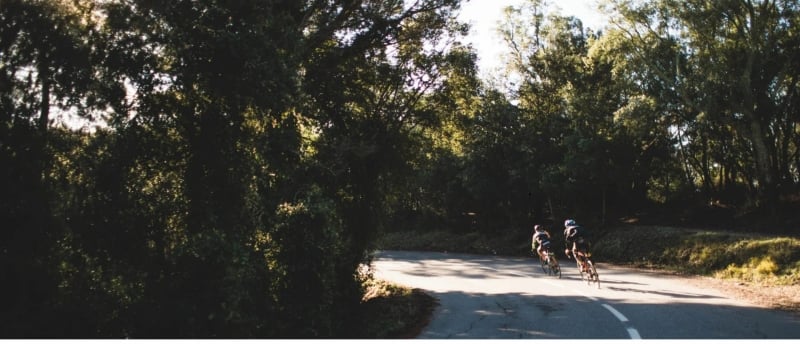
[(757, 259), (394, 311)]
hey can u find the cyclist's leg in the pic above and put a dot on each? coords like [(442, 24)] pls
[(576, 253), (585, 247), (544, 248), (580, 254)]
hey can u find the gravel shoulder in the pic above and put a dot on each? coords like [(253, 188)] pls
[(786, 298)]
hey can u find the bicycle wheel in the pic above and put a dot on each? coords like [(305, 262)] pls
[(580, 267), (554, 267), (545, 266), (593, 276), (547, 263)]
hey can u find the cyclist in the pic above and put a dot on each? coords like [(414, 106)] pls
[(575, 238), (540, 240)]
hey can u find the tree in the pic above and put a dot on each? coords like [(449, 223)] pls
[(569, 97), (731, 70), (234, 187), (45, 63)]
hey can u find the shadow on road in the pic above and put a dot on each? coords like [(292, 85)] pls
[(510, 297), (482, 267), (527, 316)]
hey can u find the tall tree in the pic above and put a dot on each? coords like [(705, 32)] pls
[(733, 69), (45, 64), (570, 97), (234, 189)]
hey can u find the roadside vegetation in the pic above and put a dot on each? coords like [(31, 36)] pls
[(222, 169), (747, 257), (393, 311)]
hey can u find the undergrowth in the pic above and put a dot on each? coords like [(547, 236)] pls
[(752, 258), (392, 311)]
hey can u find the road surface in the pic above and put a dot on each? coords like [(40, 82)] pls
[(487, 297)]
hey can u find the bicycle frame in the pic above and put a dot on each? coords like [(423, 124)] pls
[(549, 262), (585, 265), (580, 258)]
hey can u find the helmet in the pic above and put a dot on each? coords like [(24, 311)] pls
[(538, 228), (569, 222)]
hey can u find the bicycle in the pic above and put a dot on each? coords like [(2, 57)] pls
[(549, 262), (586, 266)]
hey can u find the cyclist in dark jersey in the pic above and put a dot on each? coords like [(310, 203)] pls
[(540, 240), (575, 237)]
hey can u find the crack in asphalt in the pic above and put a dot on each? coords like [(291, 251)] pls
[(471, 326), (507, 310)]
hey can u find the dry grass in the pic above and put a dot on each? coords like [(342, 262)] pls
[(761, 269), (757, 259), (394, 311)]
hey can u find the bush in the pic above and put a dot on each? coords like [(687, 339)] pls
[(752, 258)]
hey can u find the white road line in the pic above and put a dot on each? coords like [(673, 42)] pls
[(632, 332), (616, 313)]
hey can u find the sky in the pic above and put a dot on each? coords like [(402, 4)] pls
[(484, 15)]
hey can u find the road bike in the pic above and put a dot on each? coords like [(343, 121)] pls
[(549, 262), (585, 265)]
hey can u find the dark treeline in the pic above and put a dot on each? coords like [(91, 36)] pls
[(247, 154)]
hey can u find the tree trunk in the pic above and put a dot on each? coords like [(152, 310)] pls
[(552, 211), (603, 214), (766, 181), (761, 154), (44, 116), (44, 110)]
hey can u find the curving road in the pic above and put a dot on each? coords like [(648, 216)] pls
[(510, 297)]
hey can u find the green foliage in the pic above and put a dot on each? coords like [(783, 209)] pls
[(509, 242), (242, 159), (771, 260), (748, 257), (225, 193), (719, 80), (394, 311)]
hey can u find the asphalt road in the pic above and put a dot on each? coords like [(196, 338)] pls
[(487, 297)]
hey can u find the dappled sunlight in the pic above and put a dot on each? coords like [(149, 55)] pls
[(502, 275), (502, 297), (654, 288)]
